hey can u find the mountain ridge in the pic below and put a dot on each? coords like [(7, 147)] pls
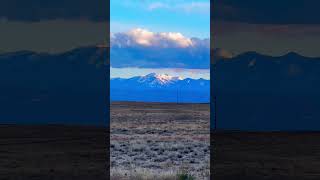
[(67, 88), (261, 92), (225, 55), (152, 87)]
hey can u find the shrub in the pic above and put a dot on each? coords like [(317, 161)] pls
[(185, 176)]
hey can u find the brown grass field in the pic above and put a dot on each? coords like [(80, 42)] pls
[(159, 140), (156, 141)]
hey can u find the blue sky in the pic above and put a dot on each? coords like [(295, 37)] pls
[(143, 22), (189, 17)]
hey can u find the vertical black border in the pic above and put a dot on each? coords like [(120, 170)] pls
[(212, 97), (108, 90)]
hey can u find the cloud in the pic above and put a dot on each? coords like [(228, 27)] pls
[(157, 5), (267, 11), (147, 49), (200, 7), (144, 37), (186, 7), (37, 10), (270, 27), (271, 39), (51, 36)]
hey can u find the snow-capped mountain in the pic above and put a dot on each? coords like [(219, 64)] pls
[(160, 88), (163, 81), (154, 79)]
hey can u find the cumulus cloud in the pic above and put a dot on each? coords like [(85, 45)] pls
[(142, 37), (145, 37), (147, 49)]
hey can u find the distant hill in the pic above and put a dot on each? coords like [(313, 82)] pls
[(259, 92), (67, 88), (160, 88)]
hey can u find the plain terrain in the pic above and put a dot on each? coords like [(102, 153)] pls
[(53, 152), (155, 140), (266, 155)]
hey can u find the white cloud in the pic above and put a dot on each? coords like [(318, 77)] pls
[(187, 7), (200, 7), (157, 5), (146, 49), (144, 37), (177, 38)]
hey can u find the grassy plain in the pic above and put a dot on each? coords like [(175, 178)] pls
[(159, 140)]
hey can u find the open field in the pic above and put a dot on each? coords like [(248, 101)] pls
[(159, 140), (152, 148), (266, 155), (52, 152)]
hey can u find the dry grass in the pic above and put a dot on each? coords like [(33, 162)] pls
[(145, 174), (160, 140)]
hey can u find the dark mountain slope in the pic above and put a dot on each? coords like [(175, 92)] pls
[(68, 88), (258, 92)]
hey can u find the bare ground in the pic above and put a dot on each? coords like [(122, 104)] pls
[(77, 152), (159, 139), (53, 152), (266, 155)]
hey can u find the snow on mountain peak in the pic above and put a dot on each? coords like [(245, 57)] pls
[(161, 79), (165, 78)]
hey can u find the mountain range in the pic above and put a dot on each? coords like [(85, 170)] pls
[(259, 92), (252, 91), (253, 72), (64, 88), (160, 88)]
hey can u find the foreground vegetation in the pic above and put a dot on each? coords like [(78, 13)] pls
[(145, 174), (160, 141)]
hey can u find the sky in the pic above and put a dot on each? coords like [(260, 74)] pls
[(189, 17), (59, 26), (162, 36), (272, 27), (52, 26)]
